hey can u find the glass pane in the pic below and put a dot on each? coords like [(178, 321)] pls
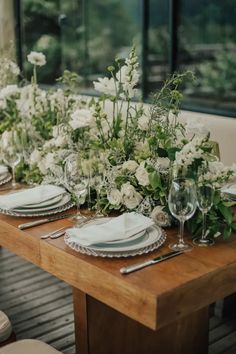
[(80, 35), (207, 45), (158, 43)]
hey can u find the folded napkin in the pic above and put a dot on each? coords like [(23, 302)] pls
[(30, 196), (3, 169), (119, 228), (230, 189)]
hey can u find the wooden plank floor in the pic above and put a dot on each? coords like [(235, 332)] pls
[(40, 307)]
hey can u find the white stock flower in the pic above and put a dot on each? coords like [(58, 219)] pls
[(114, 197), (131, 198), (9, 91), (142, 175), (81, 118), (143, 123), (160, 217), (106, 86), (130, 165), (36, 58)]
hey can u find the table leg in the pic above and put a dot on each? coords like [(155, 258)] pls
[(102, 330)]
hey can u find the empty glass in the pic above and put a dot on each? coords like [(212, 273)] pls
[(182, 205), (205, 196), (77, 182)]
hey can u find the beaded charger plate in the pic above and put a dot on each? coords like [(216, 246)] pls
[(151, 240)]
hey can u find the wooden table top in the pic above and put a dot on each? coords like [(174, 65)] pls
[(154, 296)]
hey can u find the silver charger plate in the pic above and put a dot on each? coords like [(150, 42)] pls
[(155, 237), (5, 178), (57, 210)]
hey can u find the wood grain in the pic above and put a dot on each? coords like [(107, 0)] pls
[(155, 296)]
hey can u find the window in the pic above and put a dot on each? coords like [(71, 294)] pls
[(86, 35)]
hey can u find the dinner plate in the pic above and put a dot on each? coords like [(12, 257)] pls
[(5, 178), (153, 238), (45, 203), (65, 199)]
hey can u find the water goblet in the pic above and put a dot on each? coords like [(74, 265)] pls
[(205, 196), (182, 205)]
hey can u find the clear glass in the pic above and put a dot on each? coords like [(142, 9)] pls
[(205, 196), (12, 155), (77, 182), (182, 204)]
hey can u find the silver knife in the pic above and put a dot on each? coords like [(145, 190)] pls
[(43, 221), (137, 266)]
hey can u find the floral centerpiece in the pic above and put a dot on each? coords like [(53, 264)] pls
[(136, 147)]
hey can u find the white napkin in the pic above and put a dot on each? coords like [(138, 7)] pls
[(30, 196), (3, 169), (230, 189), (119, 228)]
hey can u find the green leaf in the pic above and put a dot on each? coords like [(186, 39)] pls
[(227, 232), (226, 212), (154, 179), (171, 153), (233, 226)]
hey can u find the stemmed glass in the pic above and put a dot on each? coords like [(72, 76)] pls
[(182, 205), (12, 155), (205, 196), (77, 182)]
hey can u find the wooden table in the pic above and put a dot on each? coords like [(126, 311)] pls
[(162, 309)]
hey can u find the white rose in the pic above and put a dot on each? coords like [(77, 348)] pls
[(142, 175), (114, 197), (36, 58), (160, 217), (163, 163), (131, 198), (130, 165), (6, 139), (35, 157), (81, 118), (143, 123), (196, 127)]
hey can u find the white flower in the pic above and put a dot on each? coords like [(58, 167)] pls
[(143, 122), (163, 163), (196, 127), (142, 175), (36, 58), (8, 91), (81, 118), (106, 86), (114, 197), (35, 157), (14, 68), (131, 198), (130, 165), (160, 217)]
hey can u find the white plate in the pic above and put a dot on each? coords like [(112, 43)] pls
[(5, 178), (64, 200), (153, 239), (45, 203)]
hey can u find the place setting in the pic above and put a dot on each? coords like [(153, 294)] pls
[(41, 200)]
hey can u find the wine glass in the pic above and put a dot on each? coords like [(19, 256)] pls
[(205, 196), (12, 155), (77, 182), (182, 205)]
